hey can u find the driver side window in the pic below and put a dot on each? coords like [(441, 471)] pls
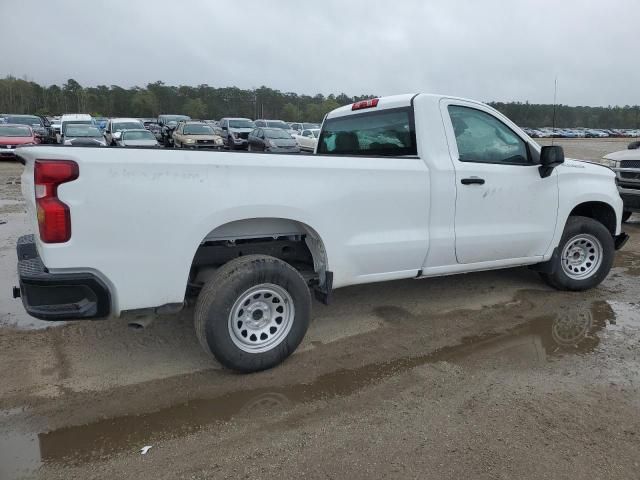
[(482, 138)]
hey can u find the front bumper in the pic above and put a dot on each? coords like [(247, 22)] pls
[(203, 146), (7, 153), (284, 149), (58, 296), (630, 198)]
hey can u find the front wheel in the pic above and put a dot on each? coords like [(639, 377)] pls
[(585, 255), (253, 313)]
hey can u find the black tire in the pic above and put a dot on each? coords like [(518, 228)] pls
[(222, 292), (633, 145), (574, 227), (626, 215), (230, 144)]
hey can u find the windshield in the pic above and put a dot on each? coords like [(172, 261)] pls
[(14, 131), (173, 118), (66, 125), (25, 120), (311, 126), (241, 123), (277, 124), (198, 129), (138, 135), (275, 133), (82, 131), (118, 127)]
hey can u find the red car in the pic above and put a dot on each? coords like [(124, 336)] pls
[(14, 135)]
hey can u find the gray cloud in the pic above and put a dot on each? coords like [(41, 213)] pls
[(488, 50)]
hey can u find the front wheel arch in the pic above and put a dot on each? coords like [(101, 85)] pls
[(599, 211)]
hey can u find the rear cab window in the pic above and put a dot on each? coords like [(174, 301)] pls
[(389, 132)]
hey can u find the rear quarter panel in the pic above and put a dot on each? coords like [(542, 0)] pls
[(138, 216)]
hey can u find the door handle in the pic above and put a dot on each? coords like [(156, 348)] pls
[(472, 181)]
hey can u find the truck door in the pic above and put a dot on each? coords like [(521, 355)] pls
[(504, 209)]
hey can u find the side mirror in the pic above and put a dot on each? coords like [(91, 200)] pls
[(550, 157)]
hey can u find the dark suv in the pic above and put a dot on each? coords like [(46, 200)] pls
[(168, 124)]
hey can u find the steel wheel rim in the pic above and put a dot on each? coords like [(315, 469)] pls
[(261, 318), (581, 256)]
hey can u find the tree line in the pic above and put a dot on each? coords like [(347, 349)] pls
[(207, 102)]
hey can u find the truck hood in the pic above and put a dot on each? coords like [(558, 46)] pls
[(570, 165), (16, 140), (624, 155)]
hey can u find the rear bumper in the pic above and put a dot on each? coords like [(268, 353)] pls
[(64, 296)]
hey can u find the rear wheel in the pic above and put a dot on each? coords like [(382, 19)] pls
[(585, 255), (253, 313), (626, 216)]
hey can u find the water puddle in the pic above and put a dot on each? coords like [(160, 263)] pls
[(533, 343), (629, 261)]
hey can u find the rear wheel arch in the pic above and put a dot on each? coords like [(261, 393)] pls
[(259, 236)]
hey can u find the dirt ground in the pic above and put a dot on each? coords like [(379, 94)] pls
[(485, 375)]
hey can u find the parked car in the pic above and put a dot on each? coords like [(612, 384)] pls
[(253, 236), (168, 124), (80, 135), (137, 138), (196, 135), (101, 122), (77, 118), (299, 127), (116, 126), (155, 129), (626, 165), (272, 140), (236, 132), (40, 126), (275, 124), (13, 136), (308, 139)]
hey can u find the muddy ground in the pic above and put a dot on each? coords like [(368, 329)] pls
[(485, 375)]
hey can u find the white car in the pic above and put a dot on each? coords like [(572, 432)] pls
[(409, 186), (308, 139), (77, 118), (116, 126), (300, 126), (137, 138)]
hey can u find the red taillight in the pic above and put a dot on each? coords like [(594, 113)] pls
[(365, 104), (54, 219)]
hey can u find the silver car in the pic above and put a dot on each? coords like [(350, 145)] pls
[(137, 138)]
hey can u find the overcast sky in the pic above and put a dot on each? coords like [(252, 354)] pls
[(485, 49)]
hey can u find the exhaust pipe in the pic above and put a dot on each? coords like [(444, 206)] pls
[(140, 322)]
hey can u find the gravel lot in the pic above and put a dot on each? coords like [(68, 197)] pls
[(485, 375)]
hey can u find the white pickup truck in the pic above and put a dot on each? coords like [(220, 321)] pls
[(408, 186)]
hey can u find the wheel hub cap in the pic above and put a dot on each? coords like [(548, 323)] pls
[(582, 256), (261, 318)]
